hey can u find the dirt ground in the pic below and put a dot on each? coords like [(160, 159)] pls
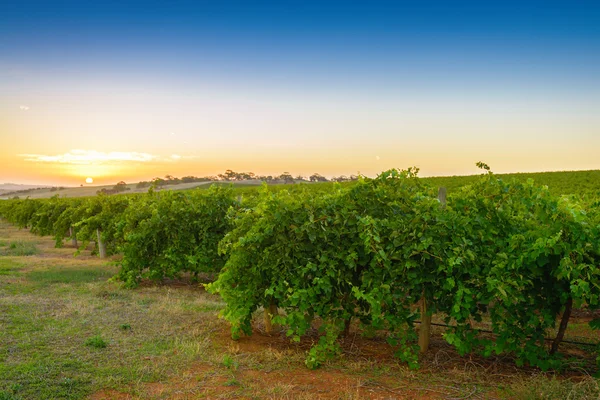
[(166, 341)]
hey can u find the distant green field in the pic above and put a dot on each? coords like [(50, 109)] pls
[(559, 183)]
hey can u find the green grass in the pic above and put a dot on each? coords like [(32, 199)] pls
[(229, 362), (548, 387), (157, 347), (19, 248), (8, 396), (75, 276), (96, 342), (70, 344), (125, 327), (67, 332), (206, 306), (9, 267), (559, 183)]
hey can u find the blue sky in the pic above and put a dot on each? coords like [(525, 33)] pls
[(335, 87)]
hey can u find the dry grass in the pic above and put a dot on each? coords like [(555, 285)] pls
[(166, 342)]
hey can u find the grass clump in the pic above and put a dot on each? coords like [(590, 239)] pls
[(69, 276), (20, 248), (230, 363), (9, 267), (8, 396), (96, 342), (550, 388)]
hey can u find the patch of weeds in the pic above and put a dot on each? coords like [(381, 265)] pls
[(145, 302), (230, 363), (3, 243), (376, 370), (8, 267), (20, 248), (72, 365), (8, 396), (156, 347), (96, 342), (108, 295), (125, 327), (232, 382), (206, 306), (70, 275), (71, 387), (544, 387), (40, 379), (16, 387)]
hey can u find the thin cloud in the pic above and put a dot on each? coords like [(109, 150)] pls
[(24, 108), (87, 157), (176, 158)]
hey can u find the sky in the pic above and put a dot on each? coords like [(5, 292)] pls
[(132, 90)]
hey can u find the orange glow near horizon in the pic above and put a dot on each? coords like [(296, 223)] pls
[(116, 92), (138, 137), (59, 169)]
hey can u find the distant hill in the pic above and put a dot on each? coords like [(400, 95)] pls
[(6, 188), (86, 191), (11, 187)]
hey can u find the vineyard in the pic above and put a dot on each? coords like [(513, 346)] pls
[(580, 183), (503, 262)]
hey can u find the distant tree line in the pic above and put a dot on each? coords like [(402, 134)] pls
[(232, 176), (16, 193), (118, 188), (228, 176)]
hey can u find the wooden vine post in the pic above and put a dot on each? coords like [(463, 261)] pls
[(270, 312), (101, 244), (425, 328), (73, 237)]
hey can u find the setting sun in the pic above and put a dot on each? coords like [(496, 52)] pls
[(89, 180)]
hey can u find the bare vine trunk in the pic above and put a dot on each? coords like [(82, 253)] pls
[(563, 325), (347, 324)]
